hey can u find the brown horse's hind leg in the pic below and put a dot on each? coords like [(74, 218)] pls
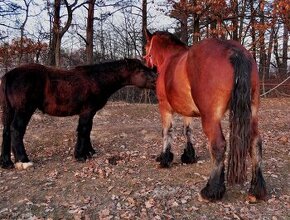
[(188, 155), (258, 186), (166, 157), (215, 187)]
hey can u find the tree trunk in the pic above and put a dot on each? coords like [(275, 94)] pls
[(269, 51), (196, 29), (235, 8), (54, 55), (183, 23), (284, 65), (253, 29), (27, 3), (55, 33), (262, 63), (90, 33), (144, 25), (242, 16)]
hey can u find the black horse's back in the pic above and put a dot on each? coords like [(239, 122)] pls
[(24, 86)]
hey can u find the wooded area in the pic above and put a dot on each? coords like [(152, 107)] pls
[(70, 32)]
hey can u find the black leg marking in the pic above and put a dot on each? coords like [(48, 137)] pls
[(258, 186), (165, 158), (189, 155), (215, 187)]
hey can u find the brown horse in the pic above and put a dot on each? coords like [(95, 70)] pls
[(205, 80), (80, 91)]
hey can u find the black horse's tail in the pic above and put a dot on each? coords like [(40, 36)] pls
[(240, 117)]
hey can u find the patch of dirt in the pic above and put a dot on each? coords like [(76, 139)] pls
[(123, 181)]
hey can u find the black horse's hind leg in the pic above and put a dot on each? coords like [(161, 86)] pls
[(18, 128), (258, 186), (5, 158), (84, 149), (166, 157), (188, 155), (215, 187)]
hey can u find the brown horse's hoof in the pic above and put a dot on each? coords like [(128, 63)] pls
[(165, 159), (213, 193)]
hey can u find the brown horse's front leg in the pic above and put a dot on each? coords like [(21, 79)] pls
[(166, 156), (83, 148), (215, 187)]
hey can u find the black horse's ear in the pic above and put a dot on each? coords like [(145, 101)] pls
[(147, 34)]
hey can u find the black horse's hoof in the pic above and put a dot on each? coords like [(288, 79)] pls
[(84, 155), (6, 164), (81, 159), (213, 192), (165, 159), (189, 155)]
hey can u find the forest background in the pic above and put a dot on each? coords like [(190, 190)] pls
[(66, 33)]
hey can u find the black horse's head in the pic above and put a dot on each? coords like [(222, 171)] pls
[(140, 75)]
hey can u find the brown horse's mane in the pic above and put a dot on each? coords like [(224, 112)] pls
[(171, 37)]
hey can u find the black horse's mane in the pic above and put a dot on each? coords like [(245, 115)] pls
[(109, 65), (172, 37)]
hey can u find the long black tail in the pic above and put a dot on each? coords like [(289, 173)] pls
[(240, 117)]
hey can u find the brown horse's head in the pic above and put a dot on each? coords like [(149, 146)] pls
[(140, 75), (158, 45)]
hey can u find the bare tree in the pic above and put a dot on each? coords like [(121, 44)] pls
[(58, 31), (22, 27)]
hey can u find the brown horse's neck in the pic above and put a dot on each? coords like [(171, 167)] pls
[(167, 52)]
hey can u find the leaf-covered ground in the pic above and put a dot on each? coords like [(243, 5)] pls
[(123, 181)]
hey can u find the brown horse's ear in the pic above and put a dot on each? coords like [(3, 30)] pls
[(148, 35)]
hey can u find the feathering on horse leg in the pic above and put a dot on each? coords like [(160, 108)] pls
[(18, 128), (189, 155), (166, 156), (215, 187), (258, 185)]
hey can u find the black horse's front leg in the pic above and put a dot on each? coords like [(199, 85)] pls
[(83, 148)]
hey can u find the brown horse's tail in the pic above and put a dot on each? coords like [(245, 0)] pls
[(240, 117)]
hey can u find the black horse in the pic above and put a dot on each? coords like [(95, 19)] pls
[(80, 91)]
